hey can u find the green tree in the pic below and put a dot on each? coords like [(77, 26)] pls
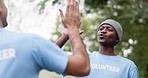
[(132, 14)]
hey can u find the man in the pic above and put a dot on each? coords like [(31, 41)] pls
[(105, 63), (24, 55)]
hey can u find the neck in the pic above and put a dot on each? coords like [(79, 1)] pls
[(107, 50)]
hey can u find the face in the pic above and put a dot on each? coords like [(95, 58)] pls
[(107, 35), (3, 14)]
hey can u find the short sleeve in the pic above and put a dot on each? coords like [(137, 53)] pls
[(134, 73), (48, 55)]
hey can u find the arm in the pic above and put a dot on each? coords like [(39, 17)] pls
[(78, 63), (134, 73), (64, 38)]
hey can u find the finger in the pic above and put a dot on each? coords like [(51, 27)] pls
[(77, 0), (72, 1), (77, 6), (81, 32), (68, 4), (74, 7), (80, 23), (61, 14), (68, 1), (71, 6)]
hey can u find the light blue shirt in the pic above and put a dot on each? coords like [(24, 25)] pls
[(104, 66), (24, 55)]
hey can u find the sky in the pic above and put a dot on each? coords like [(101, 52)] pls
[(23, 17)]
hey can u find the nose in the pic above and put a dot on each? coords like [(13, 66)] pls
[(104, 30)]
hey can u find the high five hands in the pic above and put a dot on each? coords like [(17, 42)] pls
[(71, 18)]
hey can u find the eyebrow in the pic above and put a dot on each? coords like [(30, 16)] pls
[(105, 26)]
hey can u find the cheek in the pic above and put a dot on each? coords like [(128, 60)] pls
[(112, 36), (97, 35)]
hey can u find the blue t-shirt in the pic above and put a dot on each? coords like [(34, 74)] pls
[(24, 55), (104, 66)]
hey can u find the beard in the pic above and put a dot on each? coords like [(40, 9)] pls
[(107, 43)]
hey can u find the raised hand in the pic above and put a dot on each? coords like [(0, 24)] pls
[(72, 21), (72, 16)]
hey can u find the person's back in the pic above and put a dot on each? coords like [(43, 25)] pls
[(23, 54)]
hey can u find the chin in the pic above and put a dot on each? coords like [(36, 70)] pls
[(101, 41), (107, 43)]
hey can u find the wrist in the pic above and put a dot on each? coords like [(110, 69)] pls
[(65, 32), (73, 30)]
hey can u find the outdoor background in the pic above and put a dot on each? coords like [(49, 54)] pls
[(42, 17)]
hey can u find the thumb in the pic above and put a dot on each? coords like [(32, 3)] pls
[(81, 32), (61, 14), (80, 22)]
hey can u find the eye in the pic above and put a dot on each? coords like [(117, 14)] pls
[(101, 28), (110, 29)]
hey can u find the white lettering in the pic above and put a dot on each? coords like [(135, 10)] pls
[(117, 70), (11, 53), (7, 54), (105, 67)]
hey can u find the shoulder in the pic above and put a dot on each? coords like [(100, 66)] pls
[(132, 68), (93, 54), (126, 59), (128, 62), (37, 39), (15, 34)]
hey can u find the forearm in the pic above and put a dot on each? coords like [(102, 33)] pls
[(76, 41), (62, 40), (79, 60)]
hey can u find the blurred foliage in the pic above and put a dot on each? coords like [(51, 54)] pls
[(41, 5), (132, 15)]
